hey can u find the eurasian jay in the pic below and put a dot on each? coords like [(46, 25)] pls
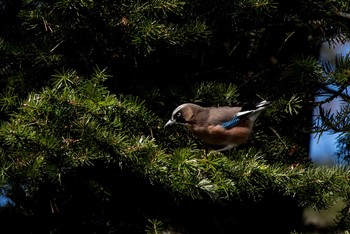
[(223, 126)]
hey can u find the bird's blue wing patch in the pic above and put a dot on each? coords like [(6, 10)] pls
[(231, 123)]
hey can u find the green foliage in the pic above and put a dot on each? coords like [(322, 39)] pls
[(307, 72), (8, 99), (335, 121), (87, 148), (78, 124), (214, 93), (338, 71), (155, 227), (48, 136), (148, 25)]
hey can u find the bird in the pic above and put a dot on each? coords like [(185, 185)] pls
[(224, 126)]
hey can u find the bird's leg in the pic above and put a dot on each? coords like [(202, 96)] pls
[(228, 147), (204, 155)]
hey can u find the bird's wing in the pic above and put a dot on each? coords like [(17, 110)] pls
[(219, 115), (248, 111), (236, 119)]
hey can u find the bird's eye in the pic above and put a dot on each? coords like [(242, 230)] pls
[(178, 114)]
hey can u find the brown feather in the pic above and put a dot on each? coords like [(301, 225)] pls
[(206, 124)]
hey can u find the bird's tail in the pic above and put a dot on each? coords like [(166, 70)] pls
[(259, 107), (255, 107), (263, 104), (249, 110)]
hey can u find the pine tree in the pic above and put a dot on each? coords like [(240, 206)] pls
[(88, 86)]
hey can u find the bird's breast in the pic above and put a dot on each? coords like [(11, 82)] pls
[(217, 135)]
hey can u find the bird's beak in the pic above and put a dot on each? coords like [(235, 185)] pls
[(170, 122)]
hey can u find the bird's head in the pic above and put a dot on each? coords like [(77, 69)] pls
[(183, 114)]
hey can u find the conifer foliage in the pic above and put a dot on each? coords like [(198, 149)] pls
[(87, 87)]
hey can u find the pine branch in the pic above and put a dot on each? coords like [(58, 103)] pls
[(196, 174)]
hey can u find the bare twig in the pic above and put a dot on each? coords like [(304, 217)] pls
[(335, 94), (340, 13)]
